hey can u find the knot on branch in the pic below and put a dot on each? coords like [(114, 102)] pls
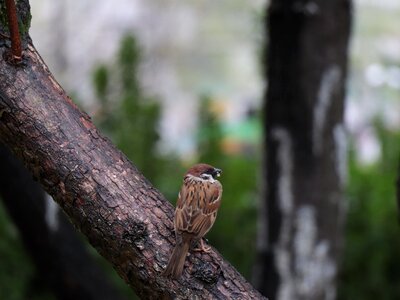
[(206, 271), (137, 234), (12, 59)]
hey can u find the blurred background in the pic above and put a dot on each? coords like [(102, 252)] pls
[(174, 83)]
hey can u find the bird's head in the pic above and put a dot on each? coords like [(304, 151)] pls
[(204, 171)]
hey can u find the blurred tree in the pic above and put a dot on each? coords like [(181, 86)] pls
[(301, 217)]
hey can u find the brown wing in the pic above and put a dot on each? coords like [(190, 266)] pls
[(197, 206)]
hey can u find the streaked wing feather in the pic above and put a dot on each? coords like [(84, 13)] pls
[(197, 207)]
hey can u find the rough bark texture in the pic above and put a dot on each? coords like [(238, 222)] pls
[(63, 263), (126, 219), (301, 236)]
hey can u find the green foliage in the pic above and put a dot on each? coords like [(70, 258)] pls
[(234, 233), (101, 83), (131, 120), (210, 134), (371, 263)]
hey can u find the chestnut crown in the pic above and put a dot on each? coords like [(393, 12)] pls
[(204, 171)]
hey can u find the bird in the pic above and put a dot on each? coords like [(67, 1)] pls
[(196, 210)]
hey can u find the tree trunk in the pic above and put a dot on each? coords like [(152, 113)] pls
[(61, 259), (126, 219), (303, 207)]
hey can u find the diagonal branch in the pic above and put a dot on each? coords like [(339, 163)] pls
[(123, 216), (61, 259)]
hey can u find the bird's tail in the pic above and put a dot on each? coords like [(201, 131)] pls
[(176, 262)]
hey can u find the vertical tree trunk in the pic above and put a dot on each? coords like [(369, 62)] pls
[(301, 236)]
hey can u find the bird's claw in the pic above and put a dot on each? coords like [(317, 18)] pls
[(203, 248)]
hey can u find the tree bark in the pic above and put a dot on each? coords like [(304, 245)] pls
[(125, 218), (303, 207), (61, 259)]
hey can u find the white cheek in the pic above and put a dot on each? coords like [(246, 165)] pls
[(207, 177)]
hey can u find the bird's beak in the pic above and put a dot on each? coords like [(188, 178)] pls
[(217, 172)]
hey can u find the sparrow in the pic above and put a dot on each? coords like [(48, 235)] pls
[(196, 210)]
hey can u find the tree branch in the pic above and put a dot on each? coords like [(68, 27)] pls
[(61, 259), (125, 218)]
